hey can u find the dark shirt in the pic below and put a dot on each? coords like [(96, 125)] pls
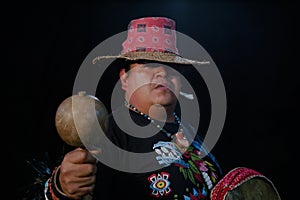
[(174, 175)]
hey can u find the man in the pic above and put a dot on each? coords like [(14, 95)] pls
[(179, 166)]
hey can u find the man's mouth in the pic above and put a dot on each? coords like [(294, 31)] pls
[(162, 86)]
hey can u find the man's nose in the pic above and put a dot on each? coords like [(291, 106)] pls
[(161, 71)]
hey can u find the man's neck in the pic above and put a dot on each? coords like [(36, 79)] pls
[(157, 111), (161, 113)]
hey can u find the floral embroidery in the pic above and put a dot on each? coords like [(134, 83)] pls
[(160, 184), (198, 169), (199, 172)]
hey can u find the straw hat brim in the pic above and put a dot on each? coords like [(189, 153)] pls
[(165, 57)]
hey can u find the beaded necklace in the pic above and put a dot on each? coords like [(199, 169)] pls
[(131, 107), (178, 138)]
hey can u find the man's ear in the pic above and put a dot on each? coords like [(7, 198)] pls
[(123, 78)]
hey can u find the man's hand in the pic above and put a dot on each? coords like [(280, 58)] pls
[(78, 173)]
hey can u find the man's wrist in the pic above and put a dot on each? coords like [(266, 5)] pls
[(52, 187)]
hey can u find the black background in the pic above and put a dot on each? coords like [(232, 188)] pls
[(251, 42)]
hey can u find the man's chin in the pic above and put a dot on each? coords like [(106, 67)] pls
[(165, 102)]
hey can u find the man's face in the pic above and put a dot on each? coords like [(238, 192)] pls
[(151, 84)]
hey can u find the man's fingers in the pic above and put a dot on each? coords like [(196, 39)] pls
[(80, 192), (87, 170), (80, 156)]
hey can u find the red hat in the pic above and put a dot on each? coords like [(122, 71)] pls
[(151, 34), (244, 183), (151, 38)]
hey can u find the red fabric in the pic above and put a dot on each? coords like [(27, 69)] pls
[(232, 180), (151, 34)]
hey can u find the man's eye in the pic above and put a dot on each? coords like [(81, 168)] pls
[(152, 65)]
